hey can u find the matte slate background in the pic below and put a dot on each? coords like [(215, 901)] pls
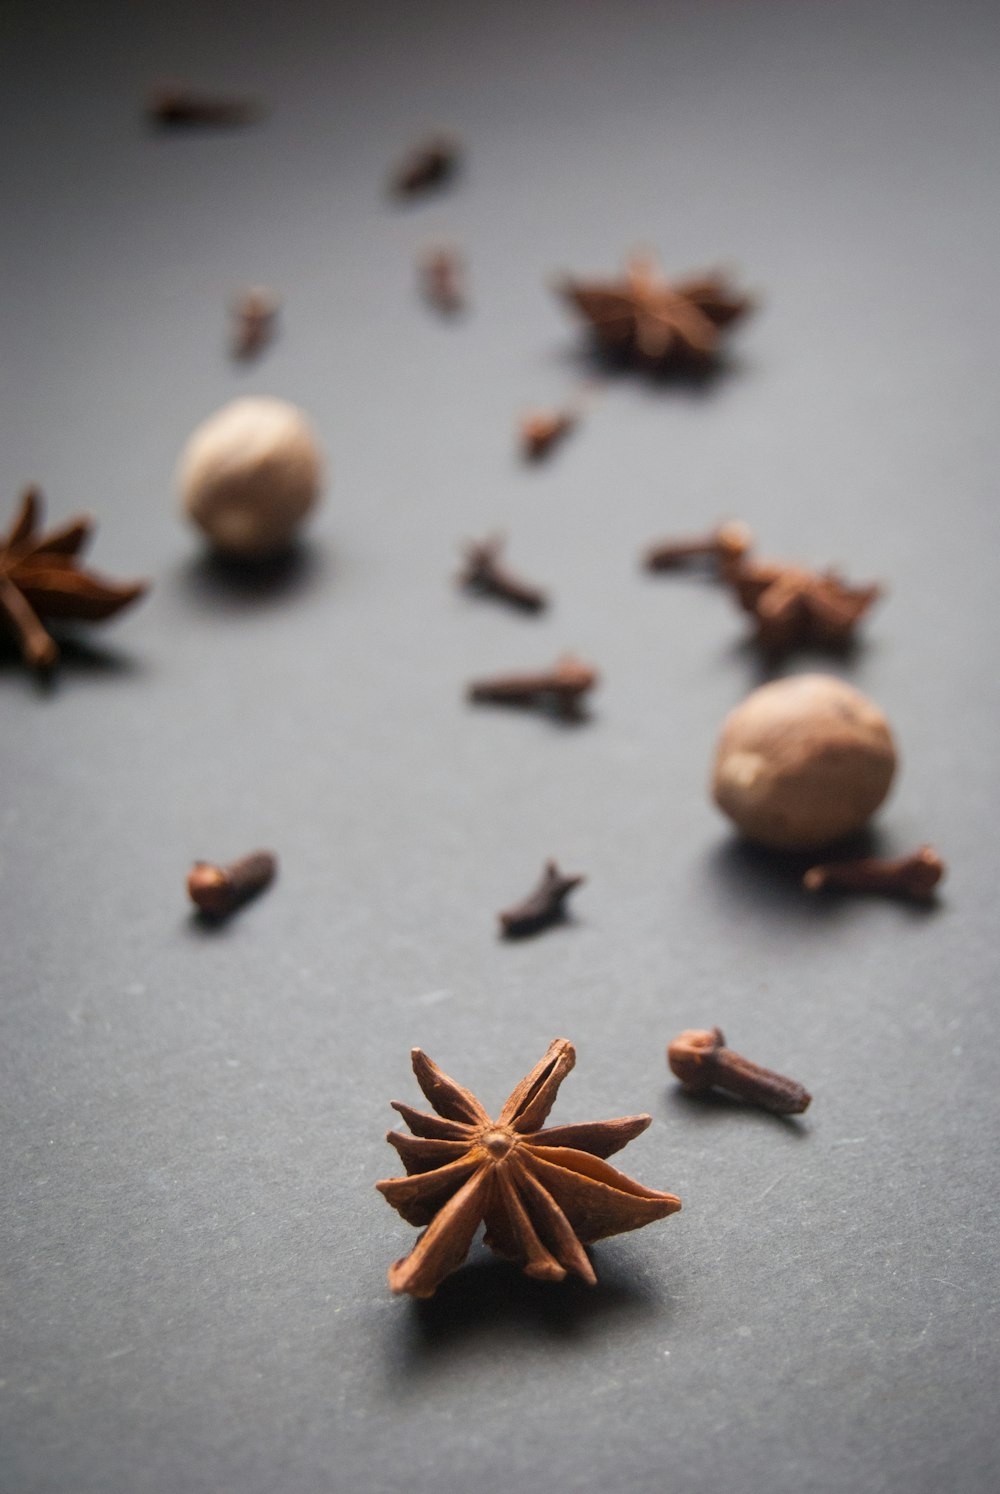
[(193, 1255)]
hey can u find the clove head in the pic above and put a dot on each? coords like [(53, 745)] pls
[(691, 1057), (210, 889), (802, 762)]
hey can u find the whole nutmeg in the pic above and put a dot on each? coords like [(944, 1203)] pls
[(802, 762), (250, 474)]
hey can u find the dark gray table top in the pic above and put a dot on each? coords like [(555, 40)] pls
[(194, 1258)]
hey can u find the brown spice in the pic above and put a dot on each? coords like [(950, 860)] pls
[(803, 762), (915, 876), (701, 1061), (544, 905), (250, 474), (40, 578), (217, 891), (561, 688), (442, 273), (653, 323), (542, 430), (486, 573), (173, 106), (797, 608), (255, 315), (542, 1194), (722, 548), (432, 163)]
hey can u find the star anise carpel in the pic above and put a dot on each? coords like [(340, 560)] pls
[(542, 1193), (656, 323), (41, 578), (794, 607)]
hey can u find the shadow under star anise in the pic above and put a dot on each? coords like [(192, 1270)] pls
[(493, 1302)]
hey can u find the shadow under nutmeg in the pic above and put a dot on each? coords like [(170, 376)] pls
[(211, 579), (755, 876)]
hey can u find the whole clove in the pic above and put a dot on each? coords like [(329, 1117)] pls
[(176, 107), (544, 905), (432, 163), (217, 891), (486, 574), (442, 273), (701, 1061), (255, 314), (561, 688), (542, 430), (724, 546), (914, 876)]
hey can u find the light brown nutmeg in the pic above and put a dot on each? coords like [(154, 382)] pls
[(802, 762), (249, 475)]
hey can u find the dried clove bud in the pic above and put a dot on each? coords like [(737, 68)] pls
[(916, 875), (725, 545), (442, 273), (802, 762), (797, 608), (217, 891), (430, 164), (701, 1061), (543, 906), (255, 314), (561, 688), (172, 106), (486, 573), (542, 430)]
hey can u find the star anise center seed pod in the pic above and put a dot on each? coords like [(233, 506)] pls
[(542, 1194), (654, 322), (41, 578)]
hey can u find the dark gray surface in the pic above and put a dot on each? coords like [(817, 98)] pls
[(193, 1255)]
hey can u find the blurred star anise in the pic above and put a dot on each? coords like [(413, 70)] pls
[(797, 608), (40, 578), (542, 1194), (654, 322)]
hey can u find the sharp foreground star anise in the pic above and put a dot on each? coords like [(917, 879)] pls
[(40, 577), (656, 323), (542, 1194), (797, 608)]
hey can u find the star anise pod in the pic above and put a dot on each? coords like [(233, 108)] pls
[(797, 608), (40, 578), (542, 1194), (653, 322)]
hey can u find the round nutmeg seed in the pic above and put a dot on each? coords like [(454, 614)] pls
[(803, 762), (249, 475)]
